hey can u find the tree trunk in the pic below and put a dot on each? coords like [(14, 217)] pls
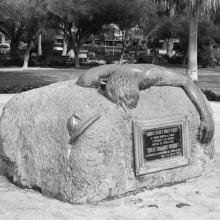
[(76, 51), (211, 48), (75, 44), (170, 46), (93, 39), (170, 40), (184, 59), (122, 54), (27, 55), (39, 48), (192, 50), (2, 41), (172, 10), (64, 52), (14, 48)]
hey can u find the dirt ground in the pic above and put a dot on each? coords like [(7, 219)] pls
[(197, 199)]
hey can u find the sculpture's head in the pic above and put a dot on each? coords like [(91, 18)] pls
[(122, 88)]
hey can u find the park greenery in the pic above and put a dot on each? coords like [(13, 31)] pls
[(196, 23)]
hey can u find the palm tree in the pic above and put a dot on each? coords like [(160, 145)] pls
[(39, 44), (196, 8)]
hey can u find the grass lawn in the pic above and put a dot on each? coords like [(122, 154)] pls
[(15, 80)]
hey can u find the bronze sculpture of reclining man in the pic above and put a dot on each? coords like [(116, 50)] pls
[(123, 82)]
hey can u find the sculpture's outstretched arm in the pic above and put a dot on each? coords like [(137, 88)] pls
[(165, 77), (148, 75)]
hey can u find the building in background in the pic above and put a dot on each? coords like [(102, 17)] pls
[(4, 44)]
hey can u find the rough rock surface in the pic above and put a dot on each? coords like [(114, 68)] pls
[(100, 165)]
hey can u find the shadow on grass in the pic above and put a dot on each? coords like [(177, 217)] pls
[(21, 88), (211, 96)]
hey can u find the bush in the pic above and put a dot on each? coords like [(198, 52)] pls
[(175, 59), (49, 61), (211, 96), (4, 58), (111, 58), (14, 62)]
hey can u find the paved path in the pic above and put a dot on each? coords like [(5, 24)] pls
[(4, 98), (216, 109)]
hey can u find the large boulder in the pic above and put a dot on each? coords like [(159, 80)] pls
[(34, 142)]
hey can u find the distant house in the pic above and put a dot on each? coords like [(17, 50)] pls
[(4, 44), (4, 39), (58, 43), (167, 47), (110, 44)]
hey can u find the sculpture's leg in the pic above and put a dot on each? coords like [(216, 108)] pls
[(165, 77)]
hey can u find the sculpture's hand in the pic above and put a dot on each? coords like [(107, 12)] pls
[(206, 129)]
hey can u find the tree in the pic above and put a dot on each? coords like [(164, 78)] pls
[(174, 27), (126, 15), (21, 19), (208, 38), (178, 27), (65, 45), (148, 13), (172, 22), (196, 9), (39, 45), (33, 20), (11, 23), (77, 19)]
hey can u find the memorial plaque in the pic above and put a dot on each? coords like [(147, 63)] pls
[(160, 144), (163, 142)]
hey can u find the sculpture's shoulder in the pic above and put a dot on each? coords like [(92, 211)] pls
[(91, 77)]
